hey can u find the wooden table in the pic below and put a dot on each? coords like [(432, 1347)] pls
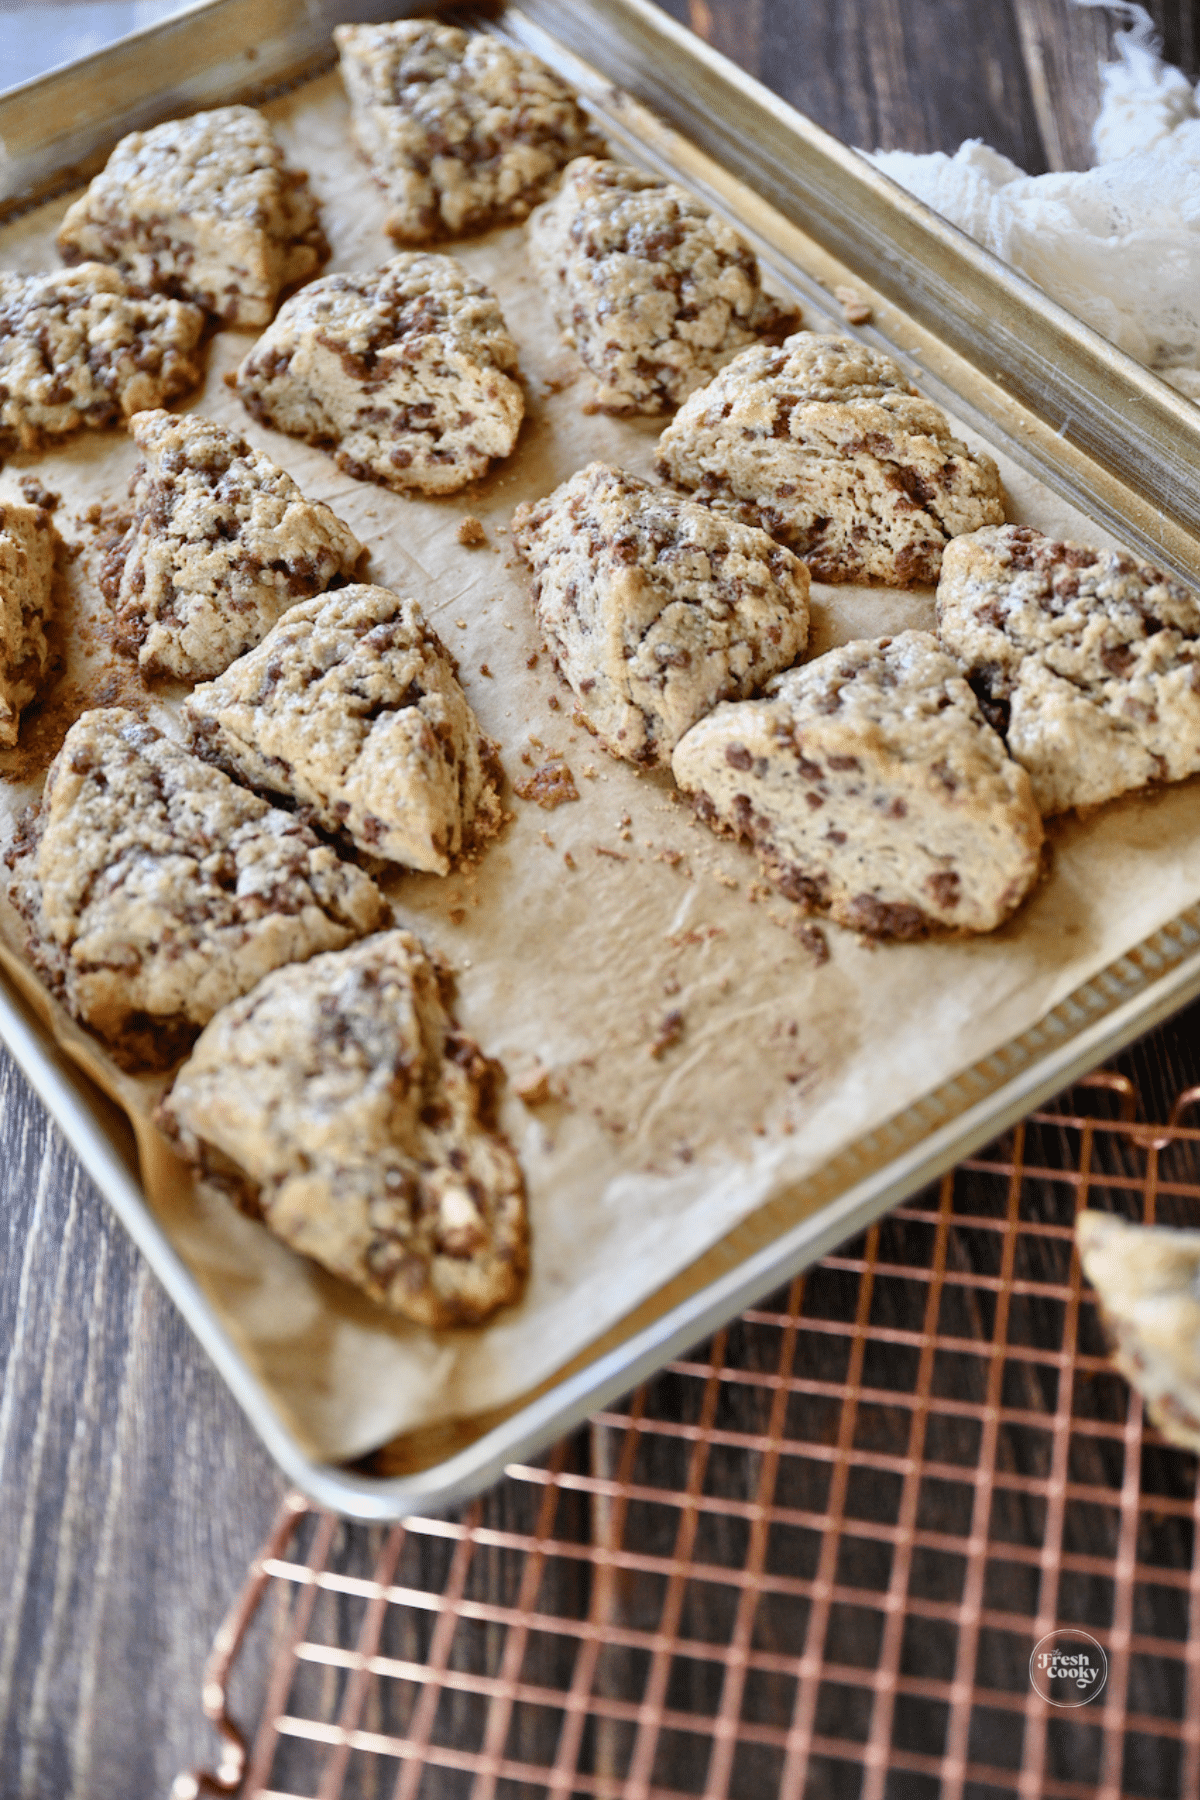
[(132, 1493)]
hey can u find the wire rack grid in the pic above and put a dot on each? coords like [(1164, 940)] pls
[(810, 1560)]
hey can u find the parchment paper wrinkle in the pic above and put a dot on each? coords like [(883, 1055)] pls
[(643, 1161)]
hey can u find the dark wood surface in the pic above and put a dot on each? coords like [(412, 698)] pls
[(132, 1493)]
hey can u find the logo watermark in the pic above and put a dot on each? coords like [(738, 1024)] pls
[(1068, 1668)]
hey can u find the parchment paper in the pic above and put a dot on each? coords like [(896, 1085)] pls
[(584, 927)]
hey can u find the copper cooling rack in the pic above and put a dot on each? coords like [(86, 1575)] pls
[(810, 1560)]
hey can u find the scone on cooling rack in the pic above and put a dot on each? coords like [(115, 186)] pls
[(353, 709), (404, 373), (1087, 661), (826, 444), (461, 131), (656, 608), (651, 289), (155, 889), (28, 547), (220, 544), (203, 208), (81, 348), (340, 1103), (873, 789), (1147, 1282)]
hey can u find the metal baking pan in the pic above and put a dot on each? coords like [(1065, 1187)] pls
[(1087, 420)]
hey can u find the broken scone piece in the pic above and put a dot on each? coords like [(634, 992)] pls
[(1086, 660), (825, 443), (873, 789), (461, 131), (404, 373), (220, 544), (352, 707), (653, 290), (205, 209), (28, 546), (655, 607), (155, 889), (340, 1102), (1147, 1282), (80, 347)]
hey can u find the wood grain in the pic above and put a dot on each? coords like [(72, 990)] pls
[(132, 1493)]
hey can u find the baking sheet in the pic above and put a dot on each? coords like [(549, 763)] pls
[(584, 927)]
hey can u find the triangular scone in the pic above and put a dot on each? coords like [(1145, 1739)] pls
[(341, 1103), (655, 607), (404, 373), (1147, 1281), (873, 789), (203, 208), (221, 543), (827, 445), (1087, 660), (28, 546), (461, 131), (352, 707), (651, 288), (155, 889), (80, 347)]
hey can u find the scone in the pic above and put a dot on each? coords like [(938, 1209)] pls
[(873, 789), (220, 544), (656, 608), (1087, 661), (461, 132), (352, 708), (155, 889), (28, 546), (825, 444), (205, 209), (405, 373), (653, 290), (79, 347), (1147, 1282), (340, 1103)]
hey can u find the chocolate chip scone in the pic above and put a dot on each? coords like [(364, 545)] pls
[(220, 544), (205, 209), (340, 1103), (873, 789), (352, 707), (461, 131), (656, 608), (79, 347), (28, 546), (653, 290), (1086, 660), (825, 444), (1147, 1281), (404, 373), (155, 889)]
